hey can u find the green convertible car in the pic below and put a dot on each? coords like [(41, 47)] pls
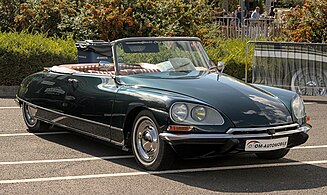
[(162, 96)]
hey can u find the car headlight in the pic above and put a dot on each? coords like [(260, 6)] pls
[(298, 107), (195, 114), (179, 112), (199, 113)]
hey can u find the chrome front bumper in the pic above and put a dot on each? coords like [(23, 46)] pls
[(221, 138)]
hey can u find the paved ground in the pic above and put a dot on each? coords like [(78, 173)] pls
[(66, 163)]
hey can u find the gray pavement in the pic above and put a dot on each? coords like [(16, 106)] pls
[(67, 163)]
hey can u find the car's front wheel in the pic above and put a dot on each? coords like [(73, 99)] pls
[(31, 122), (150, 151), (275, 154)]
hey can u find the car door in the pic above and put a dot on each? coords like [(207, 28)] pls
[(89, 103)]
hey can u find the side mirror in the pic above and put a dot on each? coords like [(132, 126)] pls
[(220, 66)]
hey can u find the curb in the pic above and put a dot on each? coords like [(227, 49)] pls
[(317, 99), (8, 91)]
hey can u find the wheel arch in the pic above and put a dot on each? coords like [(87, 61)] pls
[(128, 123), (158, 115)]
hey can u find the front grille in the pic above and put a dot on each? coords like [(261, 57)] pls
[(262, 130)]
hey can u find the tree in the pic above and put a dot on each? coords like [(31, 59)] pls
[(307, 23), (8, 11)]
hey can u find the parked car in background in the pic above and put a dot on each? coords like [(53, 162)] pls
[(163, 96)]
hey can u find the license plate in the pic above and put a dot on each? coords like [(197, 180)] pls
[(266, 144)]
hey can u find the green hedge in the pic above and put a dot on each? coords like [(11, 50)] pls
[(22, 54), (233, 53)]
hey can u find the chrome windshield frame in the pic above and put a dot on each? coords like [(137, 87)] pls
[(139, 39)]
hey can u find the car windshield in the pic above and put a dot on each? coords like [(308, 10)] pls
[(163, 58)]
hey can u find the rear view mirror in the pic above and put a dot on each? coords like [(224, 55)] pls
[(141, 47)]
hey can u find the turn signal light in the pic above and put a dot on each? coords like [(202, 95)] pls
[(307, 119), (179, 128)]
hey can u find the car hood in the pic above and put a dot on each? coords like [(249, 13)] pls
[(243, 104)]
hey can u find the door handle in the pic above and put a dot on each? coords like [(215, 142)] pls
[(70, 98), (73, 80), (74, 83)]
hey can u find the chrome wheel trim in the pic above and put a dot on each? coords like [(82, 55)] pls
[(29, 119), (146, 140), (312, 84)]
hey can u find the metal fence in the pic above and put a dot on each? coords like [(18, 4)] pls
[(261, 28), (301, 67), (229, 27), (232, 27)]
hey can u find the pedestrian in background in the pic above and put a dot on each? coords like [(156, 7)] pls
[(272, 13), (256, 13), (239, 16)]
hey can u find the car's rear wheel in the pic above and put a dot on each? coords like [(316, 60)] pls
[(275, 154), (150, 151), (33, 124)]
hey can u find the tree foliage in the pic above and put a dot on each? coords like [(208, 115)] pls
[(106, 19), (122, 18), (8, 10), (307, 23), (289, 3)]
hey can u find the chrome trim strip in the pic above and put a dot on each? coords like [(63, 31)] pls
[(87, 133), (56, 120), (189, 137), (73, 129), (232, 130), (117, 129), (17, 101), (63, 114), (116, 143), (139, 39), (84, 132)]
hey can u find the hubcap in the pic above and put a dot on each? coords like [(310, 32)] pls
[(146, 140)]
